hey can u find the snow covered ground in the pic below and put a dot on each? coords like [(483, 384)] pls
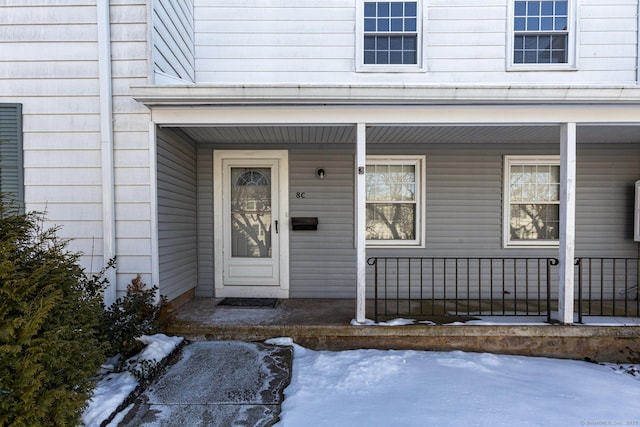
[(114, 388), (424, 388)]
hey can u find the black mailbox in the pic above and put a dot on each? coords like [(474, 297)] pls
[(304, 223)]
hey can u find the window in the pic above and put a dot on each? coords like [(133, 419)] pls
[(532, 201), (541, 32), (11, 177), (394, 201), (389, 36)]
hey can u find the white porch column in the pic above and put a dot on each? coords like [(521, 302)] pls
[(567, 221), (361, 206)]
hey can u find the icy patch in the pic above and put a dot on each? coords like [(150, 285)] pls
[(393, 322)]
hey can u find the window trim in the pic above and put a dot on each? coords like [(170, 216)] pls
[(510, 160), (572, 31), (420, 65), (419, 161)]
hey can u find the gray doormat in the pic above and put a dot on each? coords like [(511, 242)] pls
[(249, 302)]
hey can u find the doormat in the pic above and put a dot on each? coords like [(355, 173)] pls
[(249, 302)]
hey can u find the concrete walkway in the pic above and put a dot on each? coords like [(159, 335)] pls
[(217, 383)]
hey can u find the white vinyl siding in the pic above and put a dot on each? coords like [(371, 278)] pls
[(173, 39), (49, 64), (464, 41)]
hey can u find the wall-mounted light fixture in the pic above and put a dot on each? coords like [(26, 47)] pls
[(320, 172)]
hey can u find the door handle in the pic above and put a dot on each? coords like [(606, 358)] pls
[(276, 226)]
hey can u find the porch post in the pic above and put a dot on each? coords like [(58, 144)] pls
[(361, 253), (567, 221)]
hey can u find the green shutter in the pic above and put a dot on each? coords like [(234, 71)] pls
[(11, 176)]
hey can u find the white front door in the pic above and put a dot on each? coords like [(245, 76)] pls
[(251, 223)]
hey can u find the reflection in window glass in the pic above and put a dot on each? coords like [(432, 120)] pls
[(534, 198), (392, 201), (541, 32), (390, 33)]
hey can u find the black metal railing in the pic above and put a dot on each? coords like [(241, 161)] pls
[(607, 287), (415, 287)]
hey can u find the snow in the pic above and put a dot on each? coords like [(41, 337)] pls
[(418, 388), (114, 388)]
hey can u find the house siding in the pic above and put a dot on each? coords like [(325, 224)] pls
[(177, 213), (463, 207), (173, 43), (49, 64), (323, 261), (302, 41)]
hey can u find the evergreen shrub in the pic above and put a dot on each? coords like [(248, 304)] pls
[(138, 313), (50, 313)]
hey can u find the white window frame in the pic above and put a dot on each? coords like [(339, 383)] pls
[(420, 65), (572, 31), (419, 163), (506, 210)]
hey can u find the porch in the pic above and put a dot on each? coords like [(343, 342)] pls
[(326, 324)]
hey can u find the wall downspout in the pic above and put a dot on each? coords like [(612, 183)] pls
[(106, 145), (638, 44)]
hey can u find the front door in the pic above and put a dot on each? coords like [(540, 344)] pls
[(251, 223)]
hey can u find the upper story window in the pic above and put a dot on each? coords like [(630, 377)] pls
[(390, 32), (532, 201), (389, 36), (542, 33)]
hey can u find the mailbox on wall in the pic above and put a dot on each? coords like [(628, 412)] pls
[(304, 223)]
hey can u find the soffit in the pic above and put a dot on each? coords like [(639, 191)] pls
[(408, 134)]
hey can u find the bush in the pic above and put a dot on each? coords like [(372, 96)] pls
[(50, 344), (138, 313)]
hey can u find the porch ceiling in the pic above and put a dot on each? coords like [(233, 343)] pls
[(409, 134)]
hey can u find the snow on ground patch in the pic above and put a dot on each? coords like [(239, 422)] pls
[(416, 388), (114, 388)]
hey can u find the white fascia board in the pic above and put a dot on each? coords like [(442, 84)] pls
[(396, 115), (156, 95)]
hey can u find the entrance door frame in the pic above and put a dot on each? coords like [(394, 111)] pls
[(253, 291)]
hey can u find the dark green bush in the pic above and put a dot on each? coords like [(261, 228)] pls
[(50, 344), (138, 313)]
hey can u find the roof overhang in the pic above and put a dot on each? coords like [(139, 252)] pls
[(375, 94)]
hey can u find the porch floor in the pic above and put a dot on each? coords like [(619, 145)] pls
[(326, 324)]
